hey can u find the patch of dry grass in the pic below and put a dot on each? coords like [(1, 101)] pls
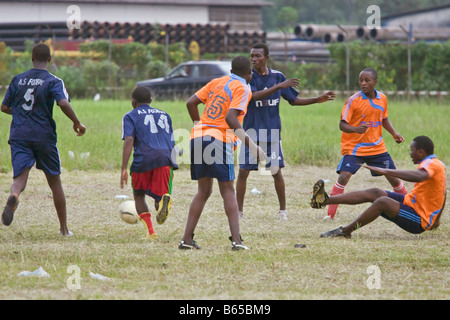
[(412, 267)]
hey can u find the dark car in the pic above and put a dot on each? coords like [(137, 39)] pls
[(185, 79)]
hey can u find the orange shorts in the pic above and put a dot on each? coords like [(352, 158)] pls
[(155, 183)]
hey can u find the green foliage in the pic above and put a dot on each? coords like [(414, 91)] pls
[(310, 134), (342, 12), (430, 64)]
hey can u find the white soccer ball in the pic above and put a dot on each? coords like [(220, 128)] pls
[(128, 213)]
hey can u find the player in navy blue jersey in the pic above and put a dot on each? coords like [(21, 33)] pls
[(29, 99), (263, 124), (149, 132)]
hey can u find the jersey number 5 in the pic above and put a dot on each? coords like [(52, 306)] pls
[(29, 97)]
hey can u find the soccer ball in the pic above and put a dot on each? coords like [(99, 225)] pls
[(128, 213)]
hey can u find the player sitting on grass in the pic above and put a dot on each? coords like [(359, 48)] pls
[(416, 212), (149, 131), (363, 118)]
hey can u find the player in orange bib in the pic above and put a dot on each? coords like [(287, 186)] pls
[(213, 140), (363, 118), (415, 212)]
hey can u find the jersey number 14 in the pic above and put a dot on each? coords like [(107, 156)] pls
[(163, 123)]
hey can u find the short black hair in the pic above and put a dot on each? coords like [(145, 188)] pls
[(424, 143), (142, 95), (372, 71), (41, 52), (262, 46), (240, 66)]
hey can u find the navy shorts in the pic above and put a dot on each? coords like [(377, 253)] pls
[(25, 154), (212, 158), (407, 218), (351, 163), (273, 151)]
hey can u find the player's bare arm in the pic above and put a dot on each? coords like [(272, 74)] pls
[(330, 95), (232, 120), (347, 128), (192, 106), (67, 109), (127, 149), (388, 126), (6, 109), (258, 95), (418, 175)]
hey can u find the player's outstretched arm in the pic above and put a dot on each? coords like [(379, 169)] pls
[(258, 95), (328, 96)]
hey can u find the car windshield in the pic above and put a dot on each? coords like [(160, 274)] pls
[(200, 70)]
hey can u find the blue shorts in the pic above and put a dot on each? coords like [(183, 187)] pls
[(25, 154), (212, 158), (407, 218), (350, 163), (273, 151)]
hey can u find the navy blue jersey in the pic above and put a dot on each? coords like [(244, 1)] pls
[(31, 96), (153, 138), (264, 115)]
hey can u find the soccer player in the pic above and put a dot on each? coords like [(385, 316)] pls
[(149, 131), (363, 118), (29, 99), (212, 145), (415, 212), (262, 122)]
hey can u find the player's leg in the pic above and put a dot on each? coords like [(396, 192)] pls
[(144, 213), (384, 204), (385, 161), (47, 160), (357, 197), (231, 208), (59, 200), (338, 189), (281, 193), (247, 163), (204, 191), (161, 190), (347, 167), (397, 185), (241, 188), (141, 182), (17, 187), (275, 162), (320, 198), (22, 159)]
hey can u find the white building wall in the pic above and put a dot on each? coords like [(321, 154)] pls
[(53, 12)]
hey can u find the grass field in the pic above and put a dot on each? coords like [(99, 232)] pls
[(410, 266)]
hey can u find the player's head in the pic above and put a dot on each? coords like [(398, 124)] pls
[(368, 79), (41, 53), (141, 95), (420, 148), (241, 66), (259, 55)]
